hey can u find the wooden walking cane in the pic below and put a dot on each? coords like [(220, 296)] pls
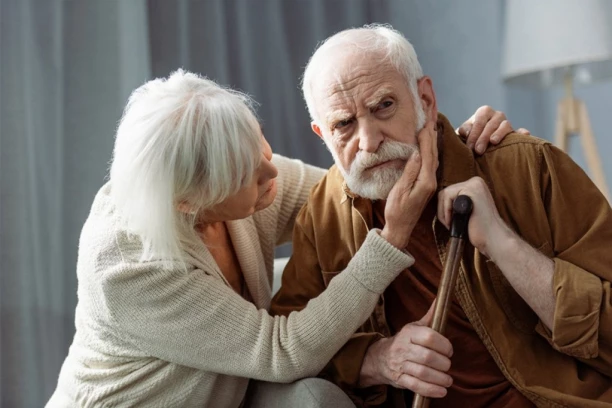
[(462, 208)]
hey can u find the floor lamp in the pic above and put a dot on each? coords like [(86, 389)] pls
[(561, 42)]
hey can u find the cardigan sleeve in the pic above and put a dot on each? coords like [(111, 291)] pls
[(192, 318)]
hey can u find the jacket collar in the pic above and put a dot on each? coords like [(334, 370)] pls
[(456, 159)]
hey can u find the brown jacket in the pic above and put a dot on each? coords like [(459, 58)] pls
[(551, 203)]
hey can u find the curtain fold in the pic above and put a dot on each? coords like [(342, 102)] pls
[(66, 70)]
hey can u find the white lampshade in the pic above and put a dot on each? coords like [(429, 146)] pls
[(543, 38)]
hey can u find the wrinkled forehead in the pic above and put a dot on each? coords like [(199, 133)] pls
[(350, 77)]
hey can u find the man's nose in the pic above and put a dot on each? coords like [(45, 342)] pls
[(370, 137)]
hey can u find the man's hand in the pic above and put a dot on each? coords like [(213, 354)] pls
[(412, 191), (486, 228), (487, 126), (529, 272), (416, 358)]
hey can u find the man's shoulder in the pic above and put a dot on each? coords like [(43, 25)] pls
[(516, 150), (519, 141)]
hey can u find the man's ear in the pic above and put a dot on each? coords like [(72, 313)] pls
[(315, 128), (427, 96)]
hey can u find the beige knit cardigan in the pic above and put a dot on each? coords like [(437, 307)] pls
[(149, 335)]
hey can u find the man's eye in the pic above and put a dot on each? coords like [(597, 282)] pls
[(343, 123), (384, 105)]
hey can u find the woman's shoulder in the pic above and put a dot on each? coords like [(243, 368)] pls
[(105, 242)]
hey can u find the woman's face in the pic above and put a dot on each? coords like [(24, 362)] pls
[(257, 195)]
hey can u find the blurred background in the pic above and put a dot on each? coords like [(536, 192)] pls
[(68, 67)]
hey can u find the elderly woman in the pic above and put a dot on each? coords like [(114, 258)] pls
[(175, 261)]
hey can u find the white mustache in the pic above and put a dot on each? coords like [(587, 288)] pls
[(389, 150)]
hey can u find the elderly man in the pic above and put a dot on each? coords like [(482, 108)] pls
[(531, 320)]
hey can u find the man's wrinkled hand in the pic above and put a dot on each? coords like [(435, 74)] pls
[(416, 358), (485, 227)]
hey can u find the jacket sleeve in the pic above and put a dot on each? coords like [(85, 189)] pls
[(580, 219), (303, 280)]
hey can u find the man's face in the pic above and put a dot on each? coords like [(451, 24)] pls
[(369, 121)]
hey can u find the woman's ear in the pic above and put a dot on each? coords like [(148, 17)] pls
[(185, 208)]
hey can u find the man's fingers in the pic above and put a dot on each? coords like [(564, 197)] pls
[(428, 145), (523, 131), (505, 128), (426, 374), (434, 345), (484, 122), (424, 355), (477, 128), (420, 387), (445, 206), (480, 119), (446, 198), (483, 139), (465, 129), (419, 158), (411, 171)]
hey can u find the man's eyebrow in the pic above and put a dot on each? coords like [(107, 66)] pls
[(338, 115), (377, 97)]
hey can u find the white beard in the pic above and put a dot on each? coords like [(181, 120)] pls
[(377, 183)]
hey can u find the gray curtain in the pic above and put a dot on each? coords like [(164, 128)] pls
[(66, 70)]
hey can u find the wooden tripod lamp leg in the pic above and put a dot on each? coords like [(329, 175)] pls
[(572, 117), (589, 145), (562, 127)]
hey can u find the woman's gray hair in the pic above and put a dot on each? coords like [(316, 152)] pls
[(373, 38), (181, 140)]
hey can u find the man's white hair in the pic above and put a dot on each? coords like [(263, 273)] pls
[(378, 39), (181, 140)]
